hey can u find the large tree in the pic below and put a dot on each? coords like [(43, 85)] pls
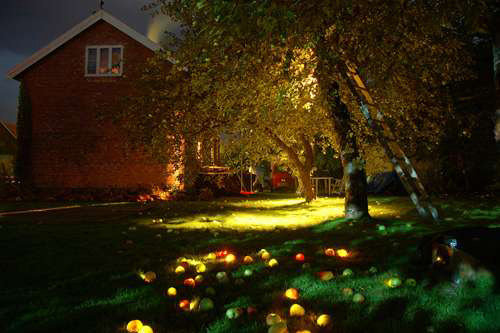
[(407, 50), (275, 111)]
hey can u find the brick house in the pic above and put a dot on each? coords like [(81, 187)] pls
[(79, 76), (8, 144)]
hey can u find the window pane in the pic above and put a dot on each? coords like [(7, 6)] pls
[(116, 60), (104, 61), (92, 61)]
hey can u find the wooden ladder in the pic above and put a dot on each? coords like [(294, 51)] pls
[(387, 140)]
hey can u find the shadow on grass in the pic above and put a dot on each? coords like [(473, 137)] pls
[(77, 273)]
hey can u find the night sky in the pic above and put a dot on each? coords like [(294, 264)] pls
[(29, 25)]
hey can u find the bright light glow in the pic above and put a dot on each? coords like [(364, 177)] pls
[(184, 304), (230, 258), (296, 310), (134, 325), (201, 268), (221, 254), (271, 214), (267, 215), (193, 305), (146, 329), (157, 27), (180, 270), (189, 282), (299, 257), (172, 292), (323, 320), (148, 277), (247, 260), (393, 282), (211, 256), (342, 253), (272, 263), (292, 293), (330, 252), (163, 195)]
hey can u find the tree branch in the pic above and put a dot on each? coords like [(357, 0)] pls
[(294, 157)]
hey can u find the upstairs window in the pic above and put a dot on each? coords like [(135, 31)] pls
[(104, 60)]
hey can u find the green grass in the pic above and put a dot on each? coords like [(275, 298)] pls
[(77, 270), (13, 206)]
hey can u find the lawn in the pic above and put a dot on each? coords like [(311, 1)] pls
[(78, 270)]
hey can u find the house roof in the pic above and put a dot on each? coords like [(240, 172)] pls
[(62, 39), (10, 128)]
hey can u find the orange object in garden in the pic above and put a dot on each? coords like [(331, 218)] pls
[(134, 325), (330, 252), (265, 255), (292, 293), (149, 277), (296, 310), (184, 304), (230, 258), (221, 254), (300, 257), (180, 270), (247, 260), (146, 329), (342, 253), (189, 282), (172, 292), (325, 275)]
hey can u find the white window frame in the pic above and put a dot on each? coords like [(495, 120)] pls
[(110, 54)]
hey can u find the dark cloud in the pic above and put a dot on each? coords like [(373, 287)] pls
[(28, 25)]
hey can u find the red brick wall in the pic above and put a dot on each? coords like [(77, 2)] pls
[(72, 148), (8, 143)]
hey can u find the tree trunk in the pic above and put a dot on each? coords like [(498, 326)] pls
[(305, 188), (306, 182), (191, 166), (356, 199), (303, 169)]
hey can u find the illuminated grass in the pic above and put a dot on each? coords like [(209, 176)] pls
[(272, 213), (75, 271)]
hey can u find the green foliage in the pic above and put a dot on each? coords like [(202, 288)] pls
[(328, 160), (407, 52), (23, 162), (266, 73)]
